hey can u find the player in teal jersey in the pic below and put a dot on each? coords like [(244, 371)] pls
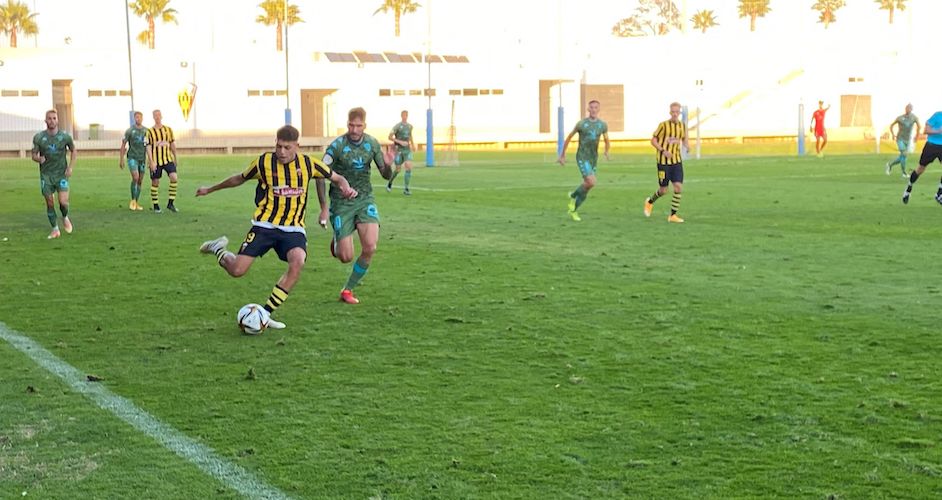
[(134, 143), (49, 147), (350, 155), (903, 136), (401, 135), (590, 129)]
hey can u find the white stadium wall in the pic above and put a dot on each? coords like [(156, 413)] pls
[(748, 89)]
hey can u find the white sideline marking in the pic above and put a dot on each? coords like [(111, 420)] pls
[(202, 456)]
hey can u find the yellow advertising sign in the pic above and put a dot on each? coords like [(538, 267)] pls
[(186, 98)]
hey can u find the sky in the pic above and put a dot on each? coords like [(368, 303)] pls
[(477, 26)]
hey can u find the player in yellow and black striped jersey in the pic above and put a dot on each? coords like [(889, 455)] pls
[(161, 156), (667, 140), (284, 178)]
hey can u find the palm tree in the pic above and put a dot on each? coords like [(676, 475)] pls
[(16, 18), (704, 19), (651, 17), (827, 9), (399, 7), (275, 15), (151, 10), (892, 5), (753, 9)]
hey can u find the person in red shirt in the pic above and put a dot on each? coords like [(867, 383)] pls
[(817, 126)]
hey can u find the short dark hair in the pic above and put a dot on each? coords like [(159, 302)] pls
[(138, 113), (595, 101), (356, 113), (288, 133)]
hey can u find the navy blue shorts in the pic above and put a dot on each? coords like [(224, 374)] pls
[(930, 153), (667, 174), (259, 240), (170, 168)]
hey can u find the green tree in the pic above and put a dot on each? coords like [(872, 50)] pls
[(275, 15), (704, 19), (892, 6), (827, 8), (398, 8), (15, 18), (151, 10), (753, 9)]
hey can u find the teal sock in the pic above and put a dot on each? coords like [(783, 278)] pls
[(902, 161), (51, 213), (359, 270), (580, 195), (408, 177), (895, 162), (135, 191), (64, 209)]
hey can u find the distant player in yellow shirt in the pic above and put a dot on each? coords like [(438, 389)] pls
[(667, 140), (162, 157)]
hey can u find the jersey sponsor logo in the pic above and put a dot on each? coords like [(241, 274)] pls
[(287, 191)]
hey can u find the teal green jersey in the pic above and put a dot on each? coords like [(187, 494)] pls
[(905, 123), (352, 160), (402, 132), (590, 132), (136, 139), (53, 148)]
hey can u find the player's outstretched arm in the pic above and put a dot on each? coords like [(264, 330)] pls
[(235, 180), (562, 153), (383, 162), (341, 182)]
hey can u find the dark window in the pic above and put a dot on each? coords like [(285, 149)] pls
[(454, 92), (11, 93), (470, 92), (254, 93), (94, 93), (385, 92)]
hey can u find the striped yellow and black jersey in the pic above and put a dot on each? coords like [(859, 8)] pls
[(670, 135), (281, 195), (158, 141)]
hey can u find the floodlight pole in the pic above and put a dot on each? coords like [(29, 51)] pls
[(560, 111), (287, 87), (801, 129), (127, 25), (429, 132)]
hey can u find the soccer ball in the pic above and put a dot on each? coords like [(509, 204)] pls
[(253, 319)]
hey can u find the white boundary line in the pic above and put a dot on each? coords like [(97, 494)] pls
[(202, 456)]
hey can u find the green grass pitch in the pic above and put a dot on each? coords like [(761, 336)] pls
[(783, 342)]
